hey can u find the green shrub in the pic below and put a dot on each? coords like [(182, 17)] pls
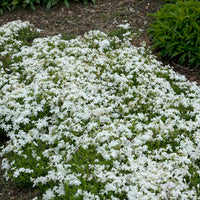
[(5, 5), (13, 4), (176, 31)]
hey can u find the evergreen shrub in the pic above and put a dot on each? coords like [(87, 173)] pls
[(176, 31)]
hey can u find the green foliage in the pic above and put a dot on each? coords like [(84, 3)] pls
[(68, 37), (27, 35), (5, 5), (119, 32), (176, 31), (23, 179), (13, 4)]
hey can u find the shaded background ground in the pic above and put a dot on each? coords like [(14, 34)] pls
[(77, 20)]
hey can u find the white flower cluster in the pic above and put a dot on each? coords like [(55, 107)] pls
[(9, 33), (86, 114)]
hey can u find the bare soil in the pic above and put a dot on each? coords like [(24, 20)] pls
[(77, 20)]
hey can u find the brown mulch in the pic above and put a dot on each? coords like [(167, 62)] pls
[(77, 20)]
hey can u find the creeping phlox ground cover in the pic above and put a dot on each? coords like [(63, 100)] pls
[(96, 118)]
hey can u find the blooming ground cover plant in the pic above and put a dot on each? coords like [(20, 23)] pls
[(96, 118)]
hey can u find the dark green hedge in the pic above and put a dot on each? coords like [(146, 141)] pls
[(13, 4)]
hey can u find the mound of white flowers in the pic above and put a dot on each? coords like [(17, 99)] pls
[(96, 118)]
